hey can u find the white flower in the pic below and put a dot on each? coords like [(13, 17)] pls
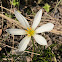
[(30, 31)]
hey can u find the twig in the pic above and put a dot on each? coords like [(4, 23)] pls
[(51, 17), (16, 23), (7, 58), (7, 9), (58, 3), (2, 17), (56, 32)]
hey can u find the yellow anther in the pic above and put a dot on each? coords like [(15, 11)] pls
[(30, 31)]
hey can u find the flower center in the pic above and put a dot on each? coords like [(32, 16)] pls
[(30, 31)]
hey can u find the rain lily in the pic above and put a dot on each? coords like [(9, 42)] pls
[(30, 31)]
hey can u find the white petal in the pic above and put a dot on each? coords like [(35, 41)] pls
[(37, 19), (40, 39), (16, 31), (21, 19), (23, 44), (45, 28)]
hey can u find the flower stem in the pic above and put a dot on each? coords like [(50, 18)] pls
[(33, 44)]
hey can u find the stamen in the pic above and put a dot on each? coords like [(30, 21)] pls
[(30, 31)]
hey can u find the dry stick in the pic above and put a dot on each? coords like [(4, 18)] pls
[(58, 2), (7, 9), (56, 32), (54, 57), (16, 23), (2, 17), (16, 48), (26, 1), (7, 59), (51, 17)]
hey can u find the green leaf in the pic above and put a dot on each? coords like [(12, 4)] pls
[(14, 4), (17, 3), (47, 7)]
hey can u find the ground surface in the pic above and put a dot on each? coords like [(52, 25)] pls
[(50, 53)]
